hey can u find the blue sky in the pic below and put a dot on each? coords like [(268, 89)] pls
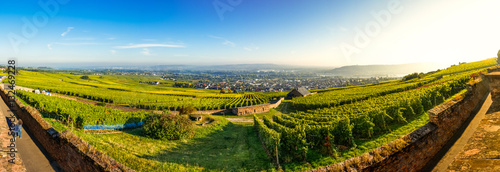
[(319, 33)]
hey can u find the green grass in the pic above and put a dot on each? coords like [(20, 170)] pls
[(219, 146)]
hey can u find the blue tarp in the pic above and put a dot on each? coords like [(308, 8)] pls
[(112, 127)]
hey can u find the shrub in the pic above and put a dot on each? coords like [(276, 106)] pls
[(84, 77), (79, 122), (171, 127), (187, 109)]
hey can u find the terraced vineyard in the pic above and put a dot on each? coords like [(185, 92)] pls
[(121, 91), (208, 103), (325, 128), (70, 111), (340, 117), (339, 96), (346, 96)]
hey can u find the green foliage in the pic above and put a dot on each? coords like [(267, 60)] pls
[(498, 57), (413, 76), (127, 91), (343, 133), (293, 141), (466, 67), (365, 125), (187, 109), (84, 77), (328, 128), (346, 117), (171, 127), (79, 122), (338, 97), (60, 108), (184, 85), (269, 138)]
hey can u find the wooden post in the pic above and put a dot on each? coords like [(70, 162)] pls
[(277, 158)]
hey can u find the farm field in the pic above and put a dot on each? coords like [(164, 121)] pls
[(304, 133)]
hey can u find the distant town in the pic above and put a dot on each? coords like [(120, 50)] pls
[(264, 81), (240, 81)]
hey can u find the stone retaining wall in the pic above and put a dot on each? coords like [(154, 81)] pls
[(256, 108), (423, 144), (70, 152)]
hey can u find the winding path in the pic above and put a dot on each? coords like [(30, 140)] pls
[(244, 120)]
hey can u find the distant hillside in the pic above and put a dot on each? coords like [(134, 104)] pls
[(233, 67), (384, 70)]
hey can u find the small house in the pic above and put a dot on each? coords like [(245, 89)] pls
[(298, 92)]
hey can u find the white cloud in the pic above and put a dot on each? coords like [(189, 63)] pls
[(146, 52), (49, 46), (112, 52), (149, 46), (111, 38), (343, 29), (229, 43), (225, 41), (251, 48), (76, 43), (67, 31), (80, 39), (149, 40)]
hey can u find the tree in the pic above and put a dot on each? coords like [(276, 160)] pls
[(498, 57), (84, 77), (413, 75)]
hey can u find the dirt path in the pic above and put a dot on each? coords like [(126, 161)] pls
[(32, 154), (246, 120), (459, 144)]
